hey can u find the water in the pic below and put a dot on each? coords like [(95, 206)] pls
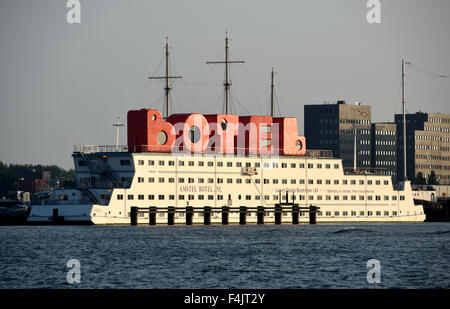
[(413, 255)]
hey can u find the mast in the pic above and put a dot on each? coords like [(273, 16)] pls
[(271, 96), (117, 125), (227, 82), (167, 78), (404, 119)]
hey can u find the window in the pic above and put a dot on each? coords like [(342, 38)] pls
[(394, 198), (292, 165), (140, 196), (283, 165), (161, 179), (319, 197), (151, 197), (402, 197), (336, 166), (151, 162), (140, 179), (238, 164), (301, 165), (201, 163), (336, 181), (239, 180), (180, 163), (140, 162), (284, 181), (229, 180), (327, 165), (377, 197), (353, 182), (171, 197), (386, 198), (171, 163), (201, 197), (386, 213), (210, 180), (361, 182), (345, 213), (190, 197), (181, 197), (161, 162), (293, 181), (319, 181), (248, 181), (220, 163), (361, 197), (120, 196), (369, 182), (210, 163), (181, 180), (310, 165), (361, 213), (130, 196), (301, 181), (275, 181), (219, 180), (345, 197), (377, 182), (319, 165), (229, 164), (353, 197), (266, 181), (191, 180), (327, 181), (344, 182), (353, 213), (161, 196), (191, 163), (336, 213)]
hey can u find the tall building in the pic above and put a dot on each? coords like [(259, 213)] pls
[(427, 145), (384, 148), (336, 126)]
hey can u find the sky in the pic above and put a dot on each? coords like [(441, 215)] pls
[(65, 84)]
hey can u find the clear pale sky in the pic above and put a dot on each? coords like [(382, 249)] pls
[(64, 84)]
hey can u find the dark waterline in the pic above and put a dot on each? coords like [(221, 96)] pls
[(412, 255)]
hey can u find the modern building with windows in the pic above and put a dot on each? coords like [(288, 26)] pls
[(334, 126), (384, 148), (427, 145)]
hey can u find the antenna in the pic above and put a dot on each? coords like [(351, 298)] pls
[(117, 125), (167, 87), (271, 95), (227, 83)]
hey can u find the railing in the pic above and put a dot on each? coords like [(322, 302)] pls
[(100, 148)]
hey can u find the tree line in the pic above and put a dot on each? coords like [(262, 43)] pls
[(13, 176)]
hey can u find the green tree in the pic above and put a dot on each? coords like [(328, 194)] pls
[(420, 179), (432, 180)]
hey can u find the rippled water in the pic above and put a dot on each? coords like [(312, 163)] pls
[(287, 256)]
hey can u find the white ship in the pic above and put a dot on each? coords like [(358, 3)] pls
[(191, 161)]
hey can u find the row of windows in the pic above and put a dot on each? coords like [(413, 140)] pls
[(384, 153), (430, 157), (385, 143), (437, 129), (433, 138), (275, 197), (286, 214), (433, 147), (257, 180), (382, 132), (239, 164)]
